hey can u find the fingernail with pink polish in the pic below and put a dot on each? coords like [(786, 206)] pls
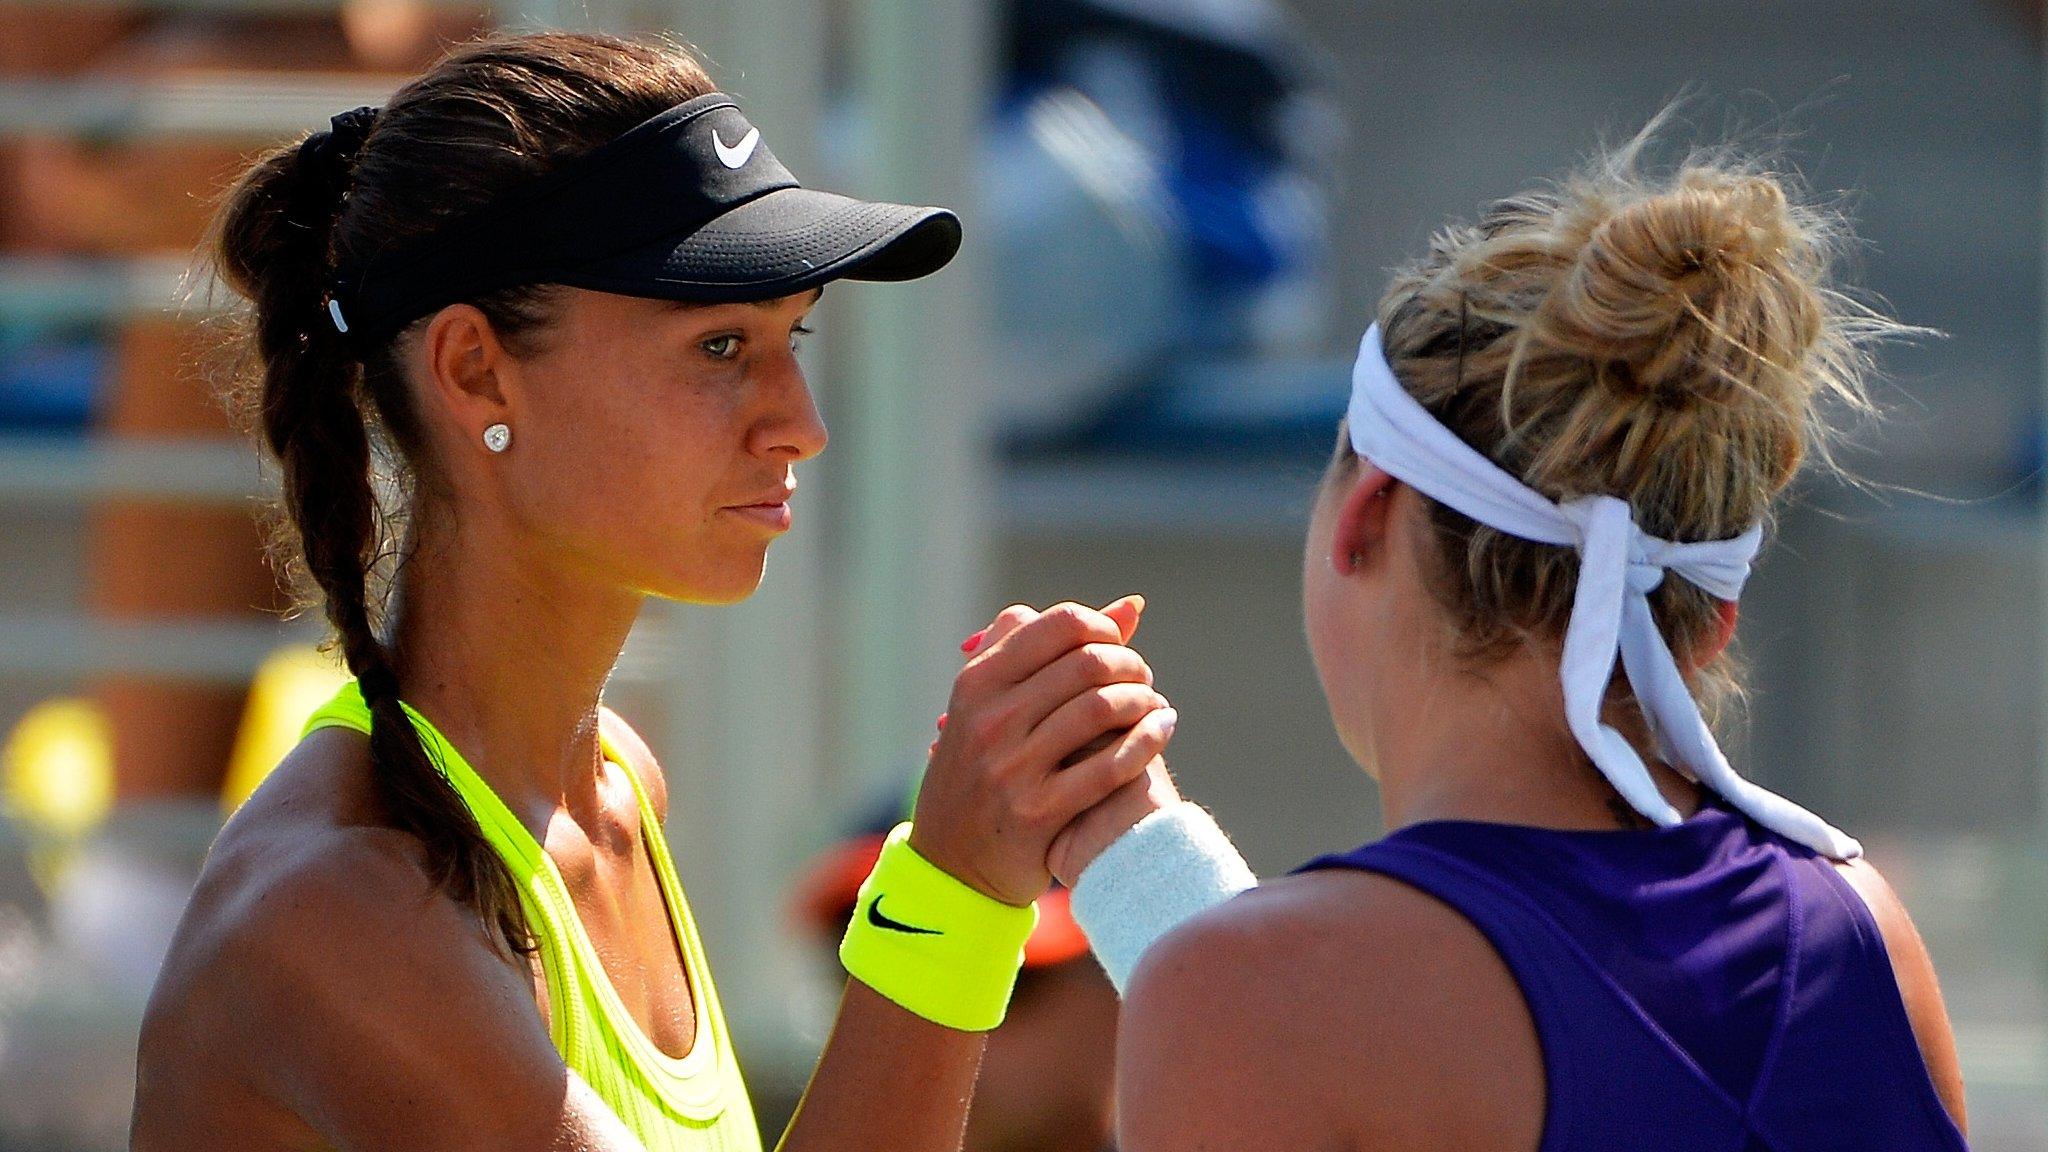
[(972, 642), (942, 721)]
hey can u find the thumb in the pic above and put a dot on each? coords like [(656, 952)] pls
[(1126, 612)]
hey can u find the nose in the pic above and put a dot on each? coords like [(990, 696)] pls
[(792, 430)]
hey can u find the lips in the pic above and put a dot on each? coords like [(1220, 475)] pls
[(770, 510), (775, 517)]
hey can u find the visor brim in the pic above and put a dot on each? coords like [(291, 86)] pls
[(786, 241)]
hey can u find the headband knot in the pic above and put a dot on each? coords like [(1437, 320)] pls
[(1619, 566), (1646, 556)]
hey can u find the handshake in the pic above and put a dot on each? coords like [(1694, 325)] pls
[(1052, 746)]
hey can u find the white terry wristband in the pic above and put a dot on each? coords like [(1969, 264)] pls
[(1172, 865)]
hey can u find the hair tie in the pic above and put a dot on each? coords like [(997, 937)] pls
[(330, 154), (327, 162), (378, 683)]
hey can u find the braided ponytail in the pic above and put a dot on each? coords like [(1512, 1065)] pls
[(273, 248), (339, 418)]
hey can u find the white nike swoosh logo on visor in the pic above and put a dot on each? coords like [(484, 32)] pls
[(736, 155)]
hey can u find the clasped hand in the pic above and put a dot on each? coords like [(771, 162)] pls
[(1051, 747)]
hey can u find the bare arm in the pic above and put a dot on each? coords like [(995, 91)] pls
[(1913, 969), (1330, 1011), (888, 1079), (1204, 1056)]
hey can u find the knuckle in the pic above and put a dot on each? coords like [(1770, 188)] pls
[(966, 683), (1027, 810), (1006, 770), (1016, 614), (982, 732), (1038, 811), (1125, 764), (1129, 666), (1074, 621), (985, 727), (1103, 707), (1150, 740), (1130, 752), (972, 676), (1097, 664)]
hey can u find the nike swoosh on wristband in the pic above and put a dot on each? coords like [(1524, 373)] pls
[(881, 920), (735, 156)]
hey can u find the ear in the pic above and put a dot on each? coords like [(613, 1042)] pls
[(1362, 518), (466, 366), (1723, 636)]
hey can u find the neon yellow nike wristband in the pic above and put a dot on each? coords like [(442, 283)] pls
[(933, 945)]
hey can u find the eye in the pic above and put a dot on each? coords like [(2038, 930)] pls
[(722, 347), (796, 336)]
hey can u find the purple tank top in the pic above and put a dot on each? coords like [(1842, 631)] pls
[(1709, 987)]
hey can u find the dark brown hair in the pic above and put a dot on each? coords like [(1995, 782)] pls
[(491, 115)]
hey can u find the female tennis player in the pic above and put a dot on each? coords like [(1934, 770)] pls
[(1567, 430), (554, 285)]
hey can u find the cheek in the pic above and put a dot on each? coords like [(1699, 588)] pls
[(1328, 639), (622, 463), (1320, 587)]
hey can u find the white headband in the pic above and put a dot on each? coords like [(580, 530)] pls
[(1619, 565)]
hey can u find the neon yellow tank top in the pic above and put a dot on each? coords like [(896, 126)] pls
[(694, 1104)]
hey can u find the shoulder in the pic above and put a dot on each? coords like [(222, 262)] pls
[(322, 973), (341, 921), (1373, 1010), (1913, 969), (311, 860), (639, 757)]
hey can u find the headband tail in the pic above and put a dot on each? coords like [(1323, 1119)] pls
[(1660, 686), (1591, 643)]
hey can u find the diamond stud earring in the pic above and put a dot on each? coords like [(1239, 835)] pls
[(498, 437)]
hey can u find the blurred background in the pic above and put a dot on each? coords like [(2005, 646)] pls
[(1180, 214)]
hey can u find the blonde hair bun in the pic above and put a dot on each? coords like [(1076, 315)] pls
[(1673, 340), (1709, 290)]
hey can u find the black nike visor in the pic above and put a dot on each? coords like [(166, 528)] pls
[(688, 205)]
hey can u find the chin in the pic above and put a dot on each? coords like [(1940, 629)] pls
[(728, 584)]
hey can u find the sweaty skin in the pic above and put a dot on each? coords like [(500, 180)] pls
[(322, 992)]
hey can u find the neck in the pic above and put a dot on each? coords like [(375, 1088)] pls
[(1492, 745), (508, 654)]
